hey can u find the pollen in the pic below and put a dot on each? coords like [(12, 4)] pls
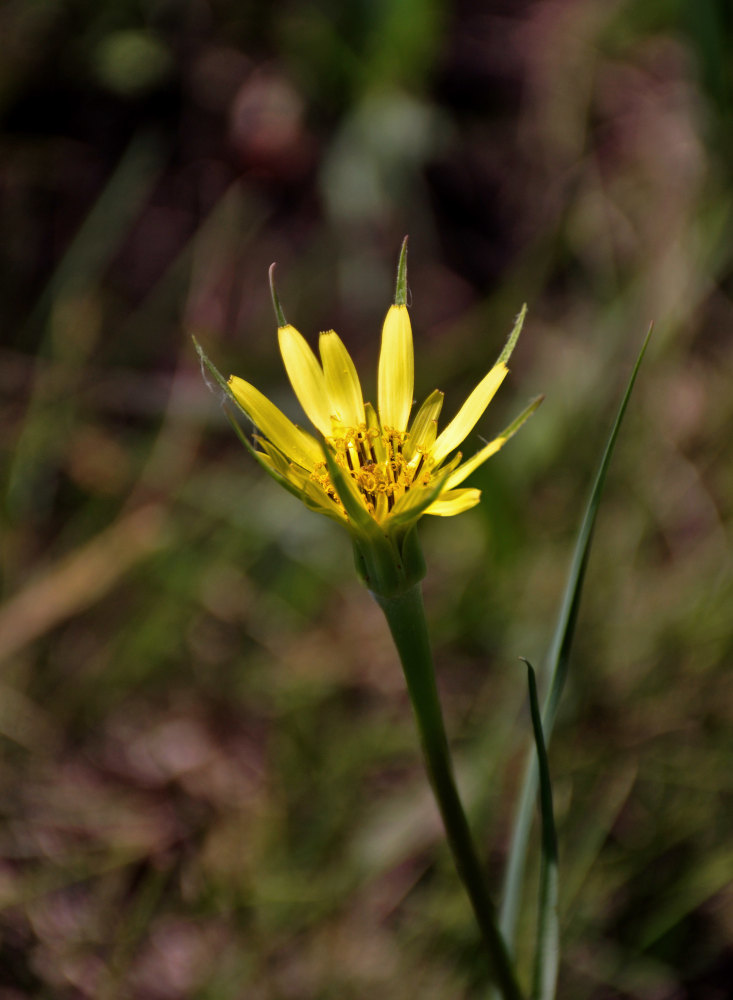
[(376, 464)]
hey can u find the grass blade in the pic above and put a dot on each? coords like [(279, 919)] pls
[(547, 952), (558, 660)]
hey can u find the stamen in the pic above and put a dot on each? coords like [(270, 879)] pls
[(363, 457), (380, 483)]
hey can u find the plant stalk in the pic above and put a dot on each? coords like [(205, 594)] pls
[(405, 616)]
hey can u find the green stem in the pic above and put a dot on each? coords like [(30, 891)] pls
[(405, 616)]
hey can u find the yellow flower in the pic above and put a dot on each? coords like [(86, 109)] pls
[(373, 469)]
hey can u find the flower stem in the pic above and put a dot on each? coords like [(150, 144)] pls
[(405, 616)]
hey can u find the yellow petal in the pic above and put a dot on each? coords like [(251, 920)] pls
[(346, 403), (396, 377), (294, 443), (454, 502), (425, 425), (466, 418), (306, 377)]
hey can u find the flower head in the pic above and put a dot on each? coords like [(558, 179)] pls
[(373, 469)]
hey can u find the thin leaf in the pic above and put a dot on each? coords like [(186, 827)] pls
[(547, 951), (277, 476), (526, 413), (558, 667), (207, 365)]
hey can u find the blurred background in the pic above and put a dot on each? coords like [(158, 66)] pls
[(210, 784)]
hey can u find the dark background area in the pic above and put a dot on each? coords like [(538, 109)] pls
[(210, 782)]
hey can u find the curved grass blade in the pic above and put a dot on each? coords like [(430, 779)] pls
[(547, 950), (558, 660)]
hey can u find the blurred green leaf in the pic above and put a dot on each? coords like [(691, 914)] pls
[(557, 667), (547, 953)]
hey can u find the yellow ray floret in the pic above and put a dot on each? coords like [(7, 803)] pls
[(371, 467), (343, 389), (306, 377), (396, 375)]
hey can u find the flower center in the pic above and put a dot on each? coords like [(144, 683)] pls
[(376, 463)]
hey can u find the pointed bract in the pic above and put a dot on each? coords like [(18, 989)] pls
[(424, 429), (400, 292)]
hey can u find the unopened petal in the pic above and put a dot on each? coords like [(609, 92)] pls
[(454, 502), (294, 443), (471, 411), (306, 377), (346, 403), (396, 377), (424, 426)]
